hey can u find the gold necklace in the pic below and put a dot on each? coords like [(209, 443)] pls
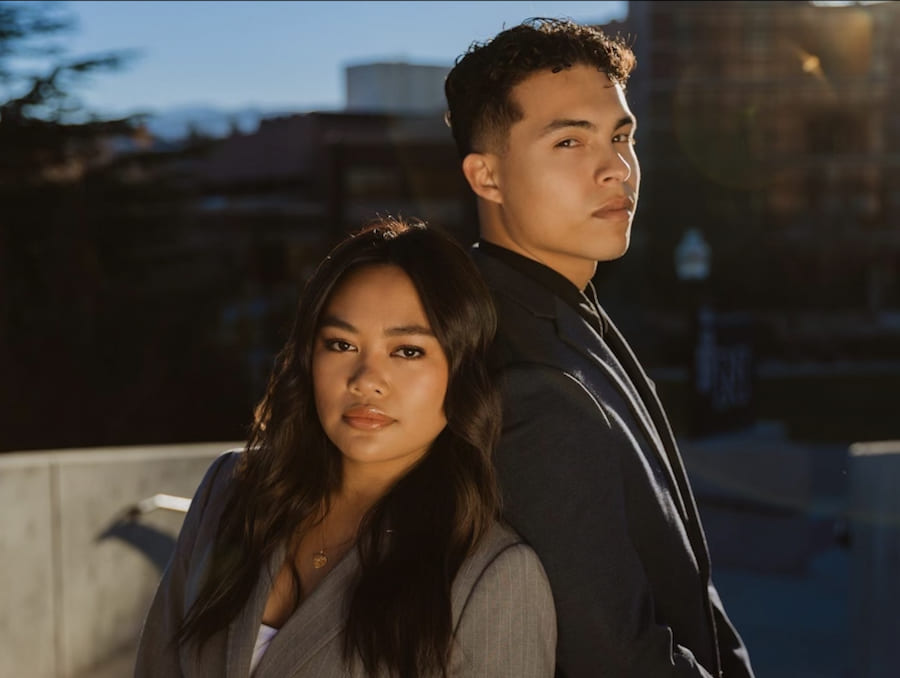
[(320, 557)]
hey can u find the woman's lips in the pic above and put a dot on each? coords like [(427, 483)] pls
[(367, 418)]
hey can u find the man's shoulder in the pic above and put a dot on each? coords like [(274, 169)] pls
[(518, 298), (500, 275), (523, 336), (494, 271)]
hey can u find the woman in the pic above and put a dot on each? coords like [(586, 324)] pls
[(357, 532)]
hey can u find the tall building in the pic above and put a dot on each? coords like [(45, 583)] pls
[(774, 128), (395, 87)]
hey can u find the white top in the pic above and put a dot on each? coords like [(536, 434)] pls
[(263, 638)]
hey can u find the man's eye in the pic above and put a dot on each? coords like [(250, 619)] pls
[(567, 143), (625, 138)]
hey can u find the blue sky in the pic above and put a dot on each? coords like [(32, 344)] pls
[(279, 55)]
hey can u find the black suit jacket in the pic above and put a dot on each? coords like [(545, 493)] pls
[(593, 480)]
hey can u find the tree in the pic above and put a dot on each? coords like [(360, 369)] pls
[(30, 32), (43, 124), (103, 323)]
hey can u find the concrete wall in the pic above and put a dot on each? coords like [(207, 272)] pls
[(77, 579), (874, 515)]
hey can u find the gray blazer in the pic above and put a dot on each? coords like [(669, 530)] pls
[(503, 612)]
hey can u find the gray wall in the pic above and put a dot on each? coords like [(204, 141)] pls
[(874, 512), (75, 587)]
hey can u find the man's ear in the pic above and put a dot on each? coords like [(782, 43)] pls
[(479, 170)]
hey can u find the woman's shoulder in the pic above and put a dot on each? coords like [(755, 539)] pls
[(499, 537), (219, 472), (216, 479), (500, 547), (503, 572)]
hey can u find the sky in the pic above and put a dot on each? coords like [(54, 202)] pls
[(279, 55)]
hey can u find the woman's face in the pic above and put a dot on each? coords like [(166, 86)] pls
[(379, 373)]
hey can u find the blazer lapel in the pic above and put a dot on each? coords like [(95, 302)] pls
[(317, 622), (669, 446), (244, 629), (640, 379), (574, 331)]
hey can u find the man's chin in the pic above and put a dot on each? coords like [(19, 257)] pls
[(613, 252)]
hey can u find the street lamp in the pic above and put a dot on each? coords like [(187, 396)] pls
[(722, 356), (692, 256), (692, 264)]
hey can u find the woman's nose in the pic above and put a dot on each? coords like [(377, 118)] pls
[(368, 379)]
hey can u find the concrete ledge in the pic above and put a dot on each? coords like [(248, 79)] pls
[(27, 556), (874, 518), (754, 494), (77, 579)]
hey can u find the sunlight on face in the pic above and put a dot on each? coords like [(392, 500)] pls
[(569, 176), (379, 373)]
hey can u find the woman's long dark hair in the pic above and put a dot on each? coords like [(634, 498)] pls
[(400, 616)]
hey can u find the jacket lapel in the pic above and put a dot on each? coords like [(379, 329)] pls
[(574, 331), (510, 284), (243, 630), (318, 621), (657, 412)]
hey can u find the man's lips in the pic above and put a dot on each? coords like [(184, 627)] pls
[(366, 418), (616, 207)]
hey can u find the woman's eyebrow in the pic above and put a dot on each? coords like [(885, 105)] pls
[(400, 330), (334, 321), (408, 329)]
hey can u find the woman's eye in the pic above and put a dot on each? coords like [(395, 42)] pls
[(409, 352), (338, 345)]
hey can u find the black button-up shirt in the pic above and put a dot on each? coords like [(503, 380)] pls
[(584, 302)]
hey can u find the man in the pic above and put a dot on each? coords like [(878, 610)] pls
[(591, 473)]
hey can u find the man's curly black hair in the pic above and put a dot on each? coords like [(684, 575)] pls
[(479, 85)]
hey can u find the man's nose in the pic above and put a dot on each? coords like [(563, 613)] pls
[(615, 165)]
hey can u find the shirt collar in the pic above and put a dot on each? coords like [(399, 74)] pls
[(584, 302)]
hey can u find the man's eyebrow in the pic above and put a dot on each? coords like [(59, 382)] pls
[(626, 120), (561, 123), (400, 330)]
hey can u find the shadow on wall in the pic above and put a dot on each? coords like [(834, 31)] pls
[(85, 562), (153, 543)]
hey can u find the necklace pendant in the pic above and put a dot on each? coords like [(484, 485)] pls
[(319, 560)]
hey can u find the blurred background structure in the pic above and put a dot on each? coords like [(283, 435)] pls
[(150, 264)]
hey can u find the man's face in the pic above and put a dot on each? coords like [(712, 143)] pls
[(567, 181)]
